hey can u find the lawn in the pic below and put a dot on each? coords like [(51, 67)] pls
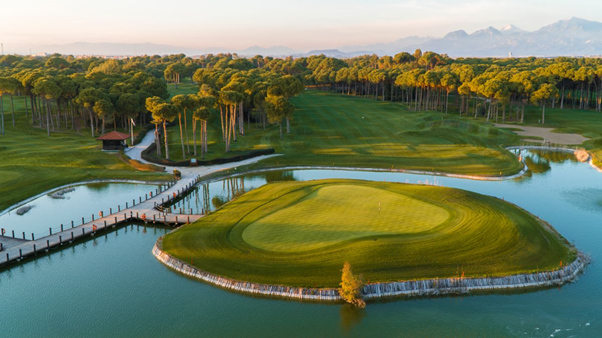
[(585, 122), (31, 162), (300, 233), (335, 130)]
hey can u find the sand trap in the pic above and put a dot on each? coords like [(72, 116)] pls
[(546, 134)]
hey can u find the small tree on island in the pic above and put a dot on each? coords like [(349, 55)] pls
[(351, 287)]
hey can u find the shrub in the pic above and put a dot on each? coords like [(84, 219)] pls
[(351, 287)]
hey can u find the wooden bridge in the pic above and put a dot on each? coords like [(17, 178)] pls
[(146, 210)]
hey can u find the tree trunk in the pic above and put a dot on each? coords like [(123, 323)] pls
[(205, 138), (543, 111), (194, 136), (221, 117), (562, 98), (25, 104), (447, 101), (48, 118), (288, 129), (165, 139), (12, 108), (157, 142), (181, 136)]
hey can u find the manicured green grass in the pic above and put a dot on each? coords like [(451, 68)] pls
[(301, 233), (31, 162), (335, 130), (585, 122)]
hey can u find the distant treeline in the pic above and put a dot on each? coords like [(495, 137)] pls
[(67, 92)]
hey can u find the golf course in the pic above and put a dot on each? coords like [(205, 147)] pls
[(301, 233)]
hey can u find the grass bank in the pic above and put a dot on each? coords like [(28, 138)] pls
[(31, 162), (300, 233)]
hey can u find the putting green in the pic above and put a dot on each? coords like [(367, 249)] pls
[(301, 233), (335, 213)]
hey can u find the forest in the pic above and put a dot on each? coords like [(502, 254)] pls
[(91, 95)]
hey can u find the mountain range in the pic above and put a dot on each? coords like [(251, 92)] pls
[(570, 37)]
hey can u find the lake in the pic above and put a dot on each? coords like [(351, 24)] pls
[(111, 285)]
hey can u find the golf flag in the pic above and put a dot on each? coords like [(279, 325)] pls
[(133, 123)]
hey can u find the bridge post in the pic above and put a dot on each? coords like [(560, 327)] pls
[(32, 238), (72, 224), (47, 244), (35, 251), (134, 202), (20, 254), (83, 231), (50, 230), (119, 208), (105, 224), (60, 239), (126, 205), (110, 211), (71, 236), (83, 220), (13, 233), (61, 227), (23, 234), (92, 217)]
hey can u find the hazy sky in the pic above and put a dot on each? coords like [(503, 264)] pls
[(238, 24)]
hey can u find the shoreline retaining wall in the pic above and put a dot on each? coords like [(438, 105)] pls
[(427, 287)]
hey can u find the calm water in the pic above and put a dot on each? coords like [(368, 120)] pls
[(82, 201), (113, 286)]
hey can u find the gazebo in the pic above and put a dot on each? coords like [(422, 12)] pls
[(113, 141)]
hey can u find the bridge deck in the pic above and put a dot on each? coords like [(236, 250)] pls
[(17, 249)]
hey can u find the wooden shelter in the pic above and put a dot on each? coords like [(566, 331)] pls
[(113, 141)]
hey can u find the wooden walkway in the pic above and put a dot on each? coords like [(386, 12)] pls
[(16, 249)]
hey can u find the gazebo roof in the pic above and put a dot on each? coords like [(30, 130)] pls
[(114, 136)]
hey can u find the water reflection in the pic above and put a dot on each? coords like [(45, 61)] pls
[(210, 196), (350, 317)]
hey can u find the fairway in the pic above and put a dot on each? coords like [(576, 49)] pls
[(346, 131), (300, 233)]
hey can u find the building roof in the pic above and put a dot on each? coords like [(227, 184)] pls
[(114, 136)]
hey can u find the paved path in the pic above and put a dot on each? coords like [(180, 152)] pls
[(190, 176), (546, 134)]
